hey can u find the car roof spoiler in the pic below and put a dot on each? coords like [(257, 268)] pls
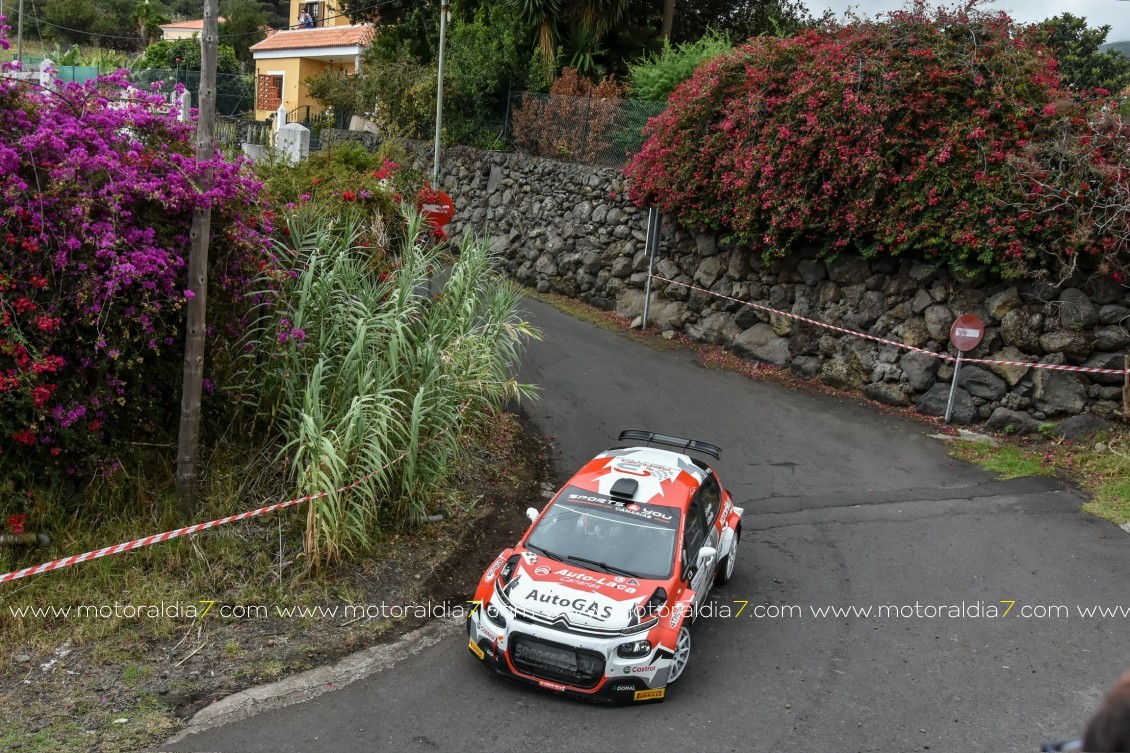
[(683, 444)]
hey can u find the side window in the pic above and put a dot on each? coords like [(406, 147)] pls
[(695, 533), (711, 496)]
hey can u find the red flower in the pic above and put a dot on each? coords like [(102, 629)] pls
[(349, 196), (16, 523), (26, 437), (46, 323), (94, 425)]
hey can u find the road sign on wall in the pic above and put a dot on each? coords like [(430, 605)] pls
[(967, 332)]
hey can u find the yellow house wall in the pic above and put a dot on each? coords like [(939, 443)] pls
[(295, 71), (332, 13), (169, 35)]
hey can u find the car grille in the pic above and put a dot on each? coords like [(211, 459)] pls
[(553, 661)]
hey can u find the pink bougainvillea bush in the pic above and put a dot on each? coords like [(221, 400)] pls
[(98, 183), (911, 136)]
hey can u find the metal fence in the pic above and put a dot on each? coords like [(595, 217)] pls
[(599, 132), (318, 121), (232, 132), (235, 94)]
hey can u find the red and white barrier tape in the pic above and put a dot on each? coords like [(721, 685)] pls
[(158, 538), (904, 346)]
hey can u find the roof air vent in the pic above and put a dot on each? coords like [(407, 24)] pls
[(625, 489)]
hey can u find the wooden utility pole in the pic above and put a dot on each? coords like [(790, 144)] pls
[(189, 439), (20, 36)]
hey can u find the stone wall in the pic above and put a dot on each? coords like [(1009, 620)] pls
[(569, 229)]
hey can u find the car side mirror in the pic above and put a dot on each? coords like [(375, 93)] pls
[(532, 513), (706, 554)]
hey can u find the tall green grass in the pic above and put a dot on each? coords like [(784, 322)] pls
[(388, 376)]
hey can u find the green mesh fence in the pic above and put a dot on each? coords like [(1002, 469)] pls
[(235, 94), (598, 132)]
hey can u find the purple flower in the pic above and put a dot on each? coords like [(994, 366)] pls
[(189, 295), (299, 335)]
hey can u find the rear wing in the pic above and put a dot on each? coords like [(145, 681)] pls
[(683, 444)]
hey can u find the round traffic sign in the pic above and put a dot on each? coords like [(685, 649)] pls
[(437, 208), (967, 332)]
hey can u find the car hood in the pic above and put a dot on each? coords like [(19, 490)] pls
[(583, 598)]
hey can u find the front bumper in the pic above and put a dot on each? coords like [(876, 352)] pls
[(622, 681)]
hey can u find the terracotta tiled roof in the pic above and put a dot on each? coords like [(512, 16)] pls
[(330, 36)]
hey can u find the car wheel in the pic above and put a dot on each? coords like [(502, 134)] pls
[(726, 566), (682, 655)]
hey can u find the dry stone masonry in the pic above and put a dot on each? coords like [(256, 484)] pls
[(569, 229)]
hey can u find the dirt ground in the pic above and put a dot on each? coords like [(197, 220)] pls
[(87, 698)]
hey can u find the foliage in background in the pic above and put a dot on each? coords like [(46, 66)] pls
[(96, 203), (111, 22), (485, 63), (163, 55), (235, 91), (742, 20), (887, 138), (345, 178), (1077, 49), (337, 89), (368, 376), (654, 77), (575, 31), (243, 26), (403, 93), (147, 18)]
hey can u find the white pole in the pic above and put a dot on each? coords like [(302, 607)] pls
[(439, 90)]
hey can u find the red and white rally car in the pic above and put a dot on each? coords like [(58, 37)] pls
[(597, 599)]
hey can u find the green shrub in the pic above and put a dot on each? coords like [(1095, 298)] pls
[(403, 93), (346, 178), (656, 76)]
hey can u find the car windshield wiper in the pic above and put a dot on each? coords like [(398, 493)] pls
[(546, 552), (604, 565)]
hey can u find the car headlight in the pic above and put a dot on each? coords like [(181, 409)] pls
[(495, 615), (634, 649)]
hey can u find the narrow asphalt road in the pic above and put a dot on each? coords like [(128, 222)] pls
[(844, 508)]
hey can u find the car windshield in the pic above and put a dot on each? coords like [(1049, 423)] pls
[(596, 532)]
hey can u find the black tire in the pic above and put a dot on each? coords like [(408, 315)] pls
[(726, 566)]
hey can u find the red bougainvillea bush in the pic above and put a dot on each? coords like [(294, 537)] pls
[(917, 135), (97, 189)]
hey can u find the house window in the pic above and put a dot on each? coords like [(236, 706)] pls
[(269, 94), (317, 11)]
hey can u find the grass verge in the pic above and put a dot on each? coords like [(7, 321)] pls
[(123, 680)]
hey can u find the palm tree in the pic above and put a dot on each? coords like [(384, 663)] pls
[(544, 17), (149, 17), (601, 15)]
